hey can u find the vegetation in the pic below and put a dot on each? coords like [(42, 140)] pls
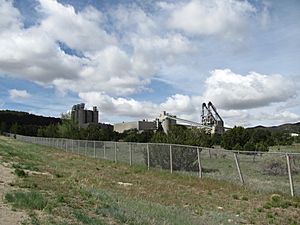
[(26, 200), (23, 123), (88, 191), (238, 138)]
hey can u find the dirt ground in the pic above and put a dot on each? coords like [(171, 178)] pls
[(7, 215)]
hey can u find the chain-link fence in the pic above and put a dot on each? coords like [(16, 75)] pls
[(261, 171)]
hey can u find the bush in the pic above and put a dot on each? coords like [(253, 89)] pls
[(249, 146), (20, 172), (277, 166), (183, 158)]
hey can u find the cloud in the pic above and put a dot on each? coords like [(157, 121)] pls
[(240, 100), (120, 106), (79, 30), (10, 16), (104, 63), (229, 90), (18, 94), (210, 17)]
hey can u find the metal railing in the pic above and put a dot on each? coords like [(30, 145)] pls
[(262, 171)]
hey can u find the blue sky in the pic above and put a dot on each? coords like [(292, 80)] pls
[(134, 59)]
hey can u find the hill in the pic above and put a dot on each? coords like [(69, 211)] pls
[(286, 128), (23, 122)]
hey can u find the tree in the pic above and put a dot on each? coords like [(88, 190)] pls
[(14, 128), (262, 136), (261, 147), (234, 138), (249, 146), (3, 127)]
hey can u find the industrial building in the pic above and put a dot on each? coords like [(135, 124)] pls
[(211, 121), (141, 125), (83, 116)]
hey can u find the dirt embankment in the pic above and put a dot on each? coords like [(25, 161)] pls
[(7, 215)]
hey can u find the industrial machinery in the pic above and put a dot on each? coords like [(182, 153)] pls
[(211, 121), (210, 117)]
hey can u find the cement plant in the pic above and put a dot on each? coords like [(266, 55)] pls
[(211, 121)]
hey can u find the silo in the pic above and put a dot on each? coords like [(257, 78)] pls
[(95, 115)]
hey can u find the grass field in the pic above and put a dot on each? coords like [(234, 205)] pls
[(63, 188), (216, 163)]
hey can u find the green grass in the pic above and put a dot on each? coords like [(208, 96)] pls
[(86, 191), (26, 200)]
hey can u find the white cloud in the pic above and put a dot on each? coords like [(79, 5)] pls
[(79, 30), (18, 94), (120, 106), (206, 17), (10, 17), (229, 90), (107, 64), (240, 100)]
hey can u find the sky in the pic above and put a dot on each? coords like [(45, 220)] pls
[(134, 58)]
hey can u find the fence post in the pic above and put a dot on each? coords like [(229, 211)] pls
[(115, 152), (148, 157), (85, 148), (171, 160), (290, 174), (238, 168), (104, 149), (72, 145), (209, 153), (78, 147), (94, 149), (66, 145), (130, 154), (199, 163)]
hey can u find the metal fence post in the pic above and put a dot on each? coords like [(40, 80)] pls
[(104, 149), (148, 156), (78, 146), (94, 149), (130, 154), (290, 174), (115, 151), (238, 168), (171, 160), (199, 163), (85, 148)]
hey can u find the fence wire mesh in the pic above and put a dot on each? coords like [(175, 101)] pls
[(262, 171)]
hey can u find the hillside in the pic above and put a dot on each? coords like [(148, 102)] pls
[(289, 128), (25, 123), (55, 187)]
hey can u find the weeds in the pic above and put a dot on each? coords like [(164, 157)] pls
[(27, 200), (20, 173)]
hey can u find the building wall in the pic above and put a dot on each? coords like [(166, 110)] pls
[(83, 116), (139, 125), (147, 125), (121, 127)]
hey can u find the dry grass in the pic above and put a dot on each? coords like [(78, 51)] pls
[(86, 191)]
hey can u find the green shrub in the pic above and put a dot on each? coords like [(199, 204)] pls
[(183, 158), (274, 166), (20, 172)]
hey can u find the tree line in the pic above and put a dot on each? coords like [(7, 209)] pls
[(237, 138)]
